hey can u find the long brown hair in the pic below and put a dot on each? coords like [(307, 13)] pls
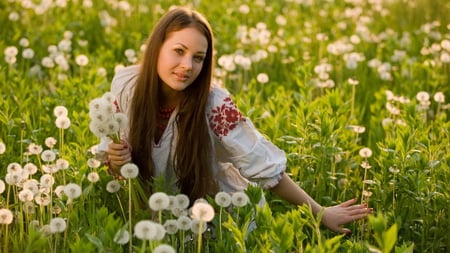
[(193, 153)]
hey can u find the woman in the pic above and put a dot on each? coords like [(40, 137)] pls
[(190, 132)]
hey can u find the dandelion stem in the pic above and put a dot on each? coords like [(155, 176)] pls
[(130, 226), (199, 241)]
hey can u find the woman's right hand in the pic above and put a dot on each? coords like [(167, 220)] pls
[(118, 155)]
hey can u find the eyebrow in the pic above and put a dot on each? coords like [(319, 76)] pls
[(185, 47)]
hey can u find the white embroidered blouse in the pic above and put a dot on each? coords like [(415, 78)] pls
[(242, 154)]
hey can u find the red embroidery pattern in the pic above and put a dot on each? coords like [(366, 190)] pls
[(117, 106), (224, 118)]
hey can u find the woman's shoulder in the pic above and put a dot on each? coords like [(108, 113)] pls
[(217, 95), (123, 76)]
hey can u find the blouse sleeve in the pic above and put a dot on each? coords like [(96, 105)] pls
[(239, 142)]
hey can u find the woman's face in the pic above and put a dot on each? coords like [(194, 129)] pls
[(181, 58)]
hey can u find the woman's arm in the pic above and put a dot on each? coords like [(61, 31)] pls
[(333, 217)]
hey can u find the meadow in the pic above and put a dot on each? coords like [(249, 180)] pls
[(354, 91)]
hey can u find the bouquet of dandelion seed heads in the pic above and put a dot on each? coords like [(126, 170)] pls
[(106, 118)]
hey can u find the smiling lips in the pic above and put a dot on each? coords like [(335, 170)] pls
[(181, 76)]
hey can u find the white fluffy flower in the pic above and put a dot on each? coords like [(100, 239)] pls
[(2, 186), (60, 111), (202, 211), (26, 195), (145, 230), (2, 147), (239, 199), (48, 156), (223, 199), (184, 223), (365, 152), (113, 186), (62, 164), (6, 216), (122, 237), (262, 78), (72, 190), (93, 163), (62, 122), (129, 170), (164, 248), (195, 227), (47, 180), (50, 142), (93, 177), (171, 226), (158, 201), (182, 201), (81, 60), (57, 225)]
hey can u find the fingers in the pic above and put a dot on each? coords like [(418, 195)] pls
[(118, 155), (348, 202)]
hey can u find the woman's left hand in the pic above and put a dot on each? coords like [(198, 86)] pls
[(336, 216)]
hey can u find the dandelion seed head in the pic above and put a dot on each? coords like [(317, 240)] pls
[(262, 78), (32, 185), (46, 230), (164, 248), (202, 211), (122, 237), (423, 96), (62, 122), (93, 177), (223, 199), (182, 201), (34, 149), (60, 111), (171, 226), (81, 60), (158, 201), (28, 53), (48, 156), (62, 164), (42, 199), (50, 142), (365, 152), (6, 216), (113, 186), (239, 199), (2, 186), (179, 211), (93, 163), (26, 195), (13, 178), (439, 97), (184, 223), (195, 226), (129, 171), (160, 231), (2, 147), (13, 167), (57, 225), (122, 119), (59, 190), (244, 9), (145, 230), (13, 16), (72, 190)]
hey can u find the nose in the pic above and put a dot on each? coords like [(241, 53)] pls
[(186, 62)]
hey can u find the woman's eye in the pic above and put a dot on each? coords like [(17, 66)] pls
[(199, 58), (179, 51)]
